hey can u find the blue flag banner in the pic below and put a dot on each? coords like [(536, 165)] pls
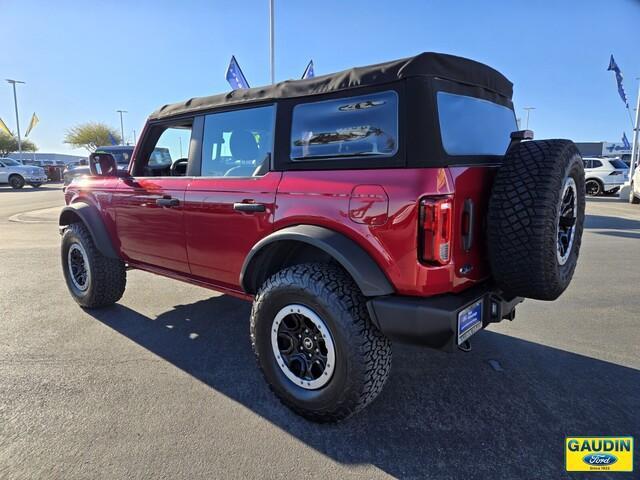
[(308, 72), (112, 139), (613, 66), (235, 77), (625, 141)]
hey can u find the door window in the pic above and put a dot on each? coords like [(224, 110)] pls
[(238, 143), (166, 150)]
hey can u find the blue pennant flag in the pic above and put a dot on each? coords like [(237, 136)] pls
[(308, 72), (625, 141), (112, 139), (613, 66), (235, 77)]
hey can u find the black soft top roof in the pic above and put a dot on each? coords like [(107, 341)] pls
[(426, 64)]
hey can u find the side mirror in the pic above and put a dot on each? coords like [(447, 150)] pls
[(103, 165)]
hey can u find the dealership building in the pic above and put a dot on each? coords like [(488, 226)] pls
[(604, 149), (55, 157)]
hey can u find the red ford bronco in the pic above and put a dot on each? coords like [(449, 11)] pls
[(391, 202)]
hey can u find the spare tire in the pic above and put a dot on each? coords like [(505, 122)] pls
[(536, 217)]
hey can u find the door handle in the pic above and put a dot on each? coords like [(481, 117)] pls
[(167, 202), (249, 207)]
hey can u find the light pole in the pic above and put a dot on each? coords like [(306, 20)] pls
[(636, 133), (15, 101), (528, 109), (272, 53), (122, 124)]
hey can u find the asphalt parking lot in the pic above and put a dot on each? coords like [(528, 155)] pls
[(164, 384)]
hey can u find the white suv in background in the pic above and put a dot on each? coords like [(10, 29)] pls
[(16, 174), (604, 175), (634, 191)]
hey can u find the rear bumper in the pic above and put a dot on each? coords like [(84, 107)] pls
[(433, 321)]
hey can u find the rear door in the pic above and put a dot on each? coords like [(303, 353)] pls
[(230, 202), (149, 204)]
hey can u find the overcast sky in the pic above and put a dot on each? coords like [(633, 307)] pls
[(84, 60)]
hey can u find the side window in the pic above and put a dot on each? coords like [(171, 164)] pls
[(238, 143), (596, 163), (588, 164), (362, 126), (168, 155), (473, 126)]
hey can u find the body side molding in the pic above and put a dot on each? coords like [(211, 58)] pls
[(353, 258), (90, 216)]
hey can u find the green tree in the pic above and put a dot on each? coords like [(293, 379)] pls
[(9, 144), (91, 135)]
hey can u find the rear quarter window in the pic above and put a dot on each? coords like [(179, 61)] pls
[(473, 126), (359, 126)]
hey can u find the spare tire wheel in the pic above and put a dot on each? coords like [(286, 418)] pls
[(536, 217)]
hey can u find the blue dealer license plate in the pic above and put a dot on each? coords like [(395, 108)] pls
[(469, 321)]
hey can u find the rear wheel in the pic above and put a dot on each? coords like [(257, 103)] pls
[(16, 182), (632, 197), (594, 187), (93, 279), (315, 343), (536, 217)]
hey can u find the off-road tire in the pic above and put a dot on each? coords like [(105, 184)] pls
[(363, 354), (16, 181), (632, 198), (108, 276), (522, 222)]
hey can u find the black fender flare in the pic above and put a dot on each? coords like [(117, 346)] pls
[(89, 215), (354, 259)]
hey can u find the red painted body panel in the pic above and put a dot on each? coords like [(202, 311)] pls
[(150, 233), (323, 198), (205, 241), (219, 237)]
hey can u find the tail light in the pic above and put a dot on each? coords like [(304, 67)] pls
[(616, 172), (435, 229)]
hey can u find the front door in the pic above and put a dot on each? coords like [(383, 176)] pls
[(149, 204), (230, 203)]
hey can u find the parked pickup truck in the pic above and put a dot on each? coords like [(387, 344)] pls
[(394, 202)]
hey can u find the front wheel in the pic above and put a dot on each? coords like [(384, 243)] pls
[(315, 343), (16, 182), (93, 279)]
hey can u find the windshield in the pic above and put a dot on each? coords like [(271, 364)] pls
[(122, 156), (618, 163), (9, 162)]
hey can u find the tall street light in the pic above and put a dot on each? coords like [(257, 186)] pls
[(528, 109), (15, 101), (122, 124)]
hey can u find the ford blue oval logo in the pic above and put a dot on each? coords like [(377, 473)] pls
[(600, 459)]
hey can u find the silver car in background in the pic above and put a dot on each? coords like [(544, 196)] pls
[(17, 175)]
